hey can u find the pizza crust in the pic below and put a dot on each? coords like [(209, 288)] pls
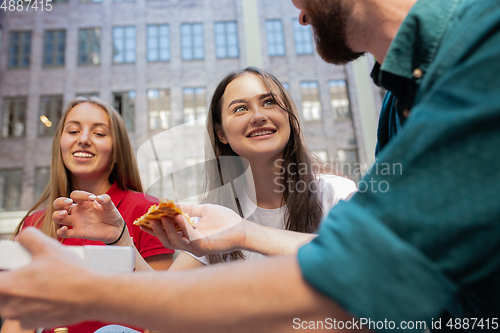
[(166, 208)]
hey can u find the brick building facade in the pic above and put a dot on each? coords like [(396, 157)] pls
[(158, 61)]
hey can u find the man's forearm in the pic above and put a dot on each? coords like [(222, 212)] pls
[(272, 241), (263, 296)]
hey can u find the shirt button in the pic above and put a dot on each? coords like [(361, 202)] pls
[(418, 73)]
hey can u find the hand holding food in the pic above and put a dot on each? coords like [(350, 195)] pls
[(218, 230), (166, 208)]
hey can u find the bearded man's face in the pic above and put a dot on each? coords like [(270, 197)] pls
[(328, 19)]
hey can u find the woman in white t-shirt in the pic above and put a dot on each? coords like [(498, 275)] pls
[(262, 173)]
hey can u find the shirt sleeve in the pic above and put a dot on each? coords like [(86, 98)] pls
[(335, 188), (423, 227)]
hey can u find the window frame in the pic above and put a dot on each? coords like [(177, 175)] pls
[(193, 37), (166, 101), (272, 43), (20, 55), (55, 52), (199, 116), (308, 85), (92, 43), (158, 41), (53, 109), (125, 48), (128, 118), (7, 202), (18, 109), (302, 37), (345, 115), (222, 41)]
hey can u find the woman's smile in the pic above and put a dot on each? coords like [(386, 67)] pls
[(253, 123), (86, 142)]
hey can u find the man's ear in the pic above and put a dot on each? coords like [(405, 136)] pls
[(222, 137)]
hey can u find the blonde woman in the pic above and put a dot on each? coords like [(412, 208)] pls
[(92, 153)]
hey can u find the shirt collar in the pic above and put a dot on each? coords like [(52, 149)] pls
[(418, 38), (116, 192)]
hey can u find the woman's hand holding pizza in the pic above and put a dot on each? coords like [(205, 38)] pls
[(218, 230)]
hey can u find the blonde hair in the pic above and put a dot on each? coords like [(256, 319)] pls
[(122, 167)]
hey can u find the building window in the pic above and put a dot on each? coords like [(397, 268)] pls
[(193, 46), (160, 184), (42, 176), (158, 37), (303, 38), (123, 45), (194, 106), (275, 38), (14, 117), (50, 113), (88, 95), (226, 40), (10, 189), (124, 103), (339, 99), (348, 160), (90, 1), (54, 47), (89, 46), (19, 49), (311, 106), (160, 115)]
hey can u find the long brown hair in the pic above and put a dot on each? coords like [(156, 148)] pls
[(122, 167), (303, 209)]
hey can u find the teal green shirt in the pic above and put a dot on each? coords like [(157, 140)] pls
[(423, 234)]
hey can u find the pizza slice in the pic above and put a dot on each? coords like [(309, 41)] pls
[(165, 208)]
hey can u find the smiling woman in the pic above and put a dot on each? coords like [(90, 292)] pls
[(91, 152), (86, 147), (253, 125)]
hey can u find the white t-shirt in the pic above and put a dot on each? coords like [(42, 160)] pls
[(334, 188)]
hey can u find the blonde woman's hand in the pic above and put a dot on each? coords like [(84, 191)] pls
[(218, 230), (87, 216)]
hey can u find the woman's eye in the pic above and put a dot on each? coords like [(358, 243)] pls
[(100, 134), (239, 109), (72, 132), (269, 102)]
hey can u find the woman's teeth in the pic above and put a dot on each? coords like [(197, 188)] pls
[(261, 133), (83, 155)]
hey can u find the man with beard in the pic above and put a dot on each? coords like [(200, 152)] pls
[(427, 247)]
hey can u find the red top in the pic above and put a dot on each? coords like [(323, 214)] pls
[(131, 206)]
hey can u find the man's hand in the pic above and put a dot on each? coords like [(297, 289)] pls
[(87, 216), (44, 300), (219, 230)]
